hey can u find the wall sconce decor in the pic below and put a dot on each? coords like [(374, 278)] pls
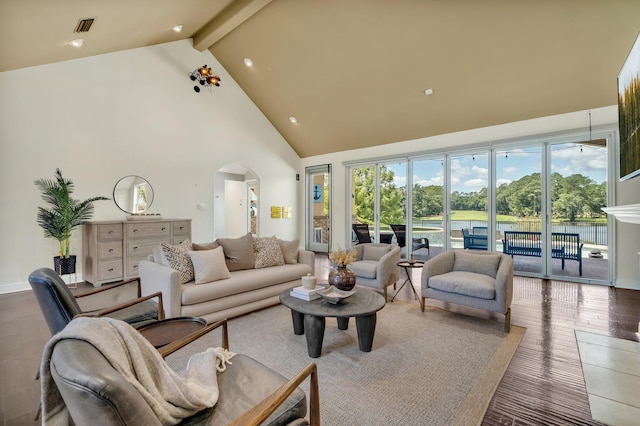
[(206, 77)]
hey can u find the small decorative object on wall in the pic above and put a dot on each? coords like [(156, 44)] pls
[(62, 216), (206, 77), (341, 277), (276, 212), (287, 212)]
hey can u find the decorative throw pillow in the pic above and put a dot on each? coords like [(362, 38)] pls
[(268, 252), (289, 251), (206, 246), (374, 253), (486, 264), (238, 252), (179, 259), (209, 265)]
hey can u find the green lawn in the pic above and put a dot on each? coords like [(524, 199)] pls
[(471, 215), (480, 216)]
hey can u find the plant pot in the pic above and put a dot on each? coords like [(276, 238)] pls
[(342, 278), (65, 265)]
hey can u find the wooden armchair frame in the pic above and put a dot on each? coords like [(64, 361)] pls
[(267, 406)]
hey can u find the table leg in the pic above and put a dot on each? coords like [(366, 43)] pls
[(366, 326), (405, 281), (314, 327), (343, 323), (298, 322)]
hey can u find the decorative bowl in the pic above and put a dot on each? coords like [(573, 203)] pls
[(334, 295)]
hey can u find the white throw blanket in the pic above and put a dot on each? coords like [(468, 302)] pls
[(171, 397)]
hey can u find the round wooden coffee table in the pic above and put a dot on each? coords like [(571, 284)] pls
[(309, 317)]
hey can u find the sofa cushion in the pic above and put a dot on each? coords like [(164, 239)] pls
[(267, 252), (205, 246), (289, 251), (374, 252), (365, 268), (486, 264), (238, 252), (209, 265), (179, 259), (245, 281), (480, 286)]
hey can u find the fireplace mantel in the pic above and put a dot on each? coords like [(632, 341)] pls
[(629, 213)]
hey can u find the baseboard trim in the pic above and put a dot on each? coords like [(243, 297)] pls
[(628, 284), (14, 287)]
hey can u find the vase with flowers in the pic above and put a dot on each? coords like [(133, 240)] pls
[(342, 277)]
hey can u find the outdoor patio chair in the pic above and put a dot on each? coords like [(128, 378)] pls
[(362, 233), (401, 237)]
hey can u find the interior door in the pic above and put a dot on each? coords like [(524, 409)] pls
[(318, 202)]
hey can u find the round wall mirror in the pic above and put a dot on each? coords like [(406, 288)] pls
[(133, 194)]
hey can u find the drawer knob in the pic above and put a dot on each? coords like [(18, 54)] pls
[(135, 247), (135, 230), (110, 269), (110, 232), (181, 228), (135, 266), (110, 250), (163, 228)]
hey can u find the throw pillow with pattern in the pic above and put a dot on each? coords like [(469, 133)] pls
[(178, 258), (268, 252)]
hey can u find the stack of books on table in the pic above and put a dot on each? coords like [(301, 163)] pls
[(304, 294)]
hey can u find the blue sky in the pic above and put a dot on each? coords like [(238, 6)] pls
[(470, 173)]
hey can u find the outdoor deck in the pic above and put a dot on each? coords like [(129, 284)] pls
[(592, 268)]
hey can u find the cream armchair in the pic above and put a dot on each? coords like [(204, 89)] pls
[(376, 265), (477, 279)]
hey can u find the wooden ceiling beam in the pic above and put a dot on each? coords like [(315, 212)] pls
[(226, 21)]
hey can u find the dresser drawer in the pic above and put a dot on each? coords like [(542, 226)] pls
[(182, 227), (110, 270), (162, 230), (132, 266), (110, 250), (141, 248), (110, 231), (177, 239)]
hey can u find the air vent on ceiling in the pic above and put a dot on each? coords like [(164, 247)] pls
[(84, 25)]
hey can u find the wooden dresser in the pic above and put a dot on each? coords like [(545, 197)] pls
[(111, 250)]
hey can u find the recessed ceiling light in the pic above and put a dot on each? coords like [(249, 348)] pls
[(248, 62), (77, 42), (428, 92), (177, 28), (293, 119)]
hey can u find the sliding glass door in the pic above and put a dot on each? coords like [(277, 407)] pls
[(428, 207), (469, 201), (379, 194), (578, 191), (519, 213), (539, 202)]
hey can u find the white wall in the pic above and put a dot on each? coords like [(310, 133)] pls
[(627, 246), (133, 112)]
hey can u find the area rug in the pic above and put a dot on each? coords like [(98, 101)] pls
[(425, 368)]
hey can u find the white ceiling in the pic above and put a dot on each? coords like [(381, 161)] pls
[(354, 72)]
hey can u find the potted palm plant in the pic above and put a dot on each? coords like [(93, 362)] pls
[(62, 216)]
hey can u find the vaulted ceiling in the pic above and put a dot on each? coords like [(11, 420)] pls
[(354, 72)]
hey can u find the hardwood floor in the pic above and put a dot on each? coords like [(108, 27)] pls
[(542, 386)]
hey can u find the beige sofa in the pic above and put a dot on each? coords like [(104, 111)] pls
[(244, 290)]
